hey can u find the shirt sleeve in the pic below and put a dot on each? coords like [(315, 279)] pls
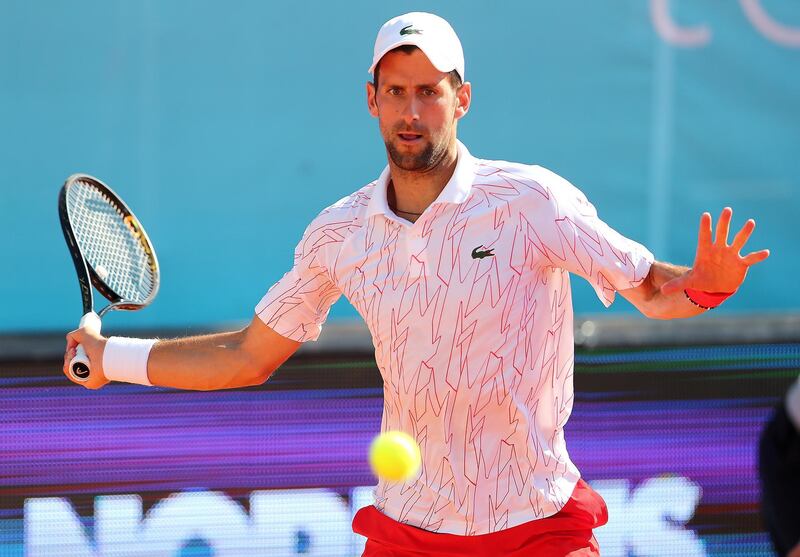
[(298, 304), (583, 244)]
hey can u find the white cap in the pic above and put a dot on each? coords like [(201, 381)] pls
[(432, 34)]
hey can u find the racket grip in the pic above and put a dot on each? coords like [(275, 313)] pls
[(79, 366)]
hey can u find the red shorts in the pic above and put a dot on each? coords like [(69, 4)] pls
[(566, 533)]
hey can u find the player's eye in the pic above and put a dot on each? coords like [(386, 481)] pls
[(429, 92), (394, 91)]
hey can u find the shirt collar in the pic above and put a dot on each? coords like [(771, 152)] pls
[(455, 191)]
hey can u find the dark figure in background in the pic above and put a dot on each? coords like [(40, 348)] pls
[(779, 469)]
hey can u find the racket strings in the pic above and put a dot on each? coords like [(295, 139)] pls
[(109, 245)]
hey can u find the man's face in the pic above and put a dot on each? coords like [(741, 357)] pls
[(417, 107)]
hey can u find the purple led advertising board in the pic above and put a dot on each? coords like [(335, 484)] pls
[(668, 436)]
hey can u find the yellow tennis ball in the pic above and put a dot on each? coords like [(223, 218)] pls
[(394, 456)]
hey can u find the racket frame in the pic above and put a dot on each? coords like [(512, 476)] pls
[(88, 277)]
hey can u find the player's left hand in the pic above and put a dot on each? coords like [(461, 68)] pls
[(718, 267)]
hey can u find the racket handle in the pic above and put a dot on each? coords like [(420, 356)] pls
[(79, 366)]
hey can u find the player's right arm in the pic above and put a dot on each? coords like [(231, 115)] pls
[(290, 313), (202, 363)]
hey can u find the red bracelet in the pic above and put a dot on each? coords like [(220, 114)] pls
[(707, 300)]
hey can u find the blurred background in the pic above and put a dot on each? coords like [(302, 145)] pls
[(228, 126)]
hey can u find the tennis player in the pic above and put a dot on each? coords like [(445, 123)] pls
[(460, 267)]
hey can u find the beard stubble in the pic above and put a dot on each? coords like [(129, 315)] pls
[(426, 159)]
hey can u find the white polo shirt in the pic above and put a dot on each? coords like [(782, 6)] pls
[(470, 312)]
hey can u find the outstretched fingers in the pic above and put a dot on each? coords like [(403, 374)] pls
[(704, 235), (743, 235), (723, 227), (756, 257)]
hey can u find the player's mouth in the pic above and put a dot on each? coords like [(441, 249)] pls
[(409, 137)]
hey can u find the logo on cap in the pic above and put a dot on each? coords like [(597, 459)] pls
[(407, 30)]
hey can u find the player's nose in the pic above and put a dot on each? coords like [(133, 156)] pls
[(411, 110)]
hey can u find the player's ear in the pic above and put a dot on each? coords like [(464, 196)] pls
[(463, 99), (372, 102)]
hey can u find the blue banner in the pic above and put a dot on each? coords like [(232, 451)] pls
[(228, 127)]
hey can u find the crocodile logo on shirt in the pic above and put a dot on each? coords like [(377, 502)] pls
[(477, 253), (408, 30)]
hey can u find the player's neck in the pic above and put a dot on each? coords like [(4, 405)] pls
[(411, 192)]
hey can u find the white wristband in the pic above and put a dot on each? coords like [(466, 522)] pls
[(125, 359)]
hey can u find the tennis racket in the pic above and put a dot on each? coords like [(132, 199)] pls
[(110, 250)]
